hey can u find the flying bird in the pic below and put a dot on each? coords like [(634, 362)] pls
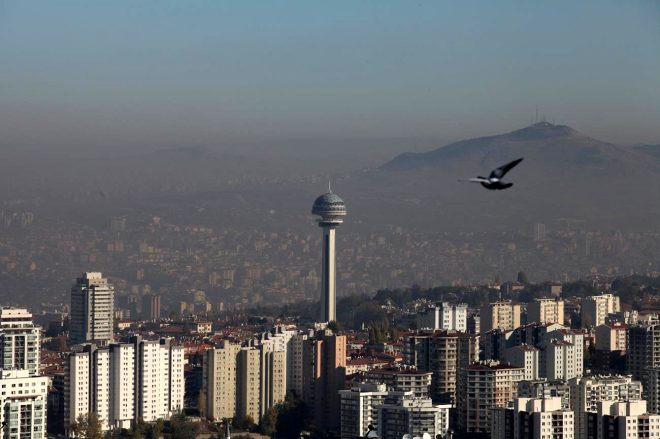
[(494, 181)]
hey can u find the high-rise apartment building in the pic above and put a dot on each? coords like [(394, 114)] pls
[(623, 420), (23, 402), (562, 355), (652, 390), (359, 408), (249, 381), (586, 392), (441, 352), (546, 311), (324, 375), (611, 337), (444, 316), (502, 315), (220, 382), (542, 388), (524, 356), (92, 309), (20, 340), (151, 307), (124, 382), (595, 309), (399, 416), (403, 380), (532, 418), (482, 387), (295, 365), (643, 351), (159, 378), (243, 381)]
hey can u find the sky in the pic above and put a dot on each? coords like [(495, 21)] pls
[(113, 74)]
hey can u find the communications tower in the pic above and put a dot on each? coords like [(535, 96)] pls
[(331, 210)]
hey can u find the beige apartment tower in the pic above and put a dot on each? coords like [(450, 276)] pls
[(243, 381), (546, 311), (596, 308), (500, 315)]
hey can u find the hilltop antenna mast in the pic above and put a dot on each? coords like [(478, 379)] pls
[(536, 118)]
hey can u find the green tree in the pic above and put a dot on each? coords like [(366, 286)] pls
[(268, 425), (182, 428), (87, 426)]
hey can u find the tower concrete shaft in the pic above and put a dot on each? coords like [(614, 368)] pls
[(331, 210), (329, 292)]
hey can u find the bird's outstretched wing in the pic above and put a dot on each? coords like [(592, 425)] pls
[(478, 180), (502, 170)]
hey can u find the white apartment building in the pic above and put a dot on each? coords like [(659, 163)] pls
[(527, 357), (359, 408), (595, 309), (562, 355), (23, 401), (92, 309), (444, 316), (625, 420), (401, 415), (159, 378), (20, 340), (546, 311), (586, 392), (532, 418), (543, 389), (611, 337), (123, 382)]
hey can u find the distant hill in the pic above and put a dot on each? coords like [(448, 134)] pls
[(557, 147), (565, 174)]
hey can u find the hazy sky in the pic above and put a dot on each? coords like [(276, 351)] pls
[(207, 72)]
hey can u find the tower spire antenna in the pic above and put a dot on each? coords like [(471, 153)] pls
[(329, 187)]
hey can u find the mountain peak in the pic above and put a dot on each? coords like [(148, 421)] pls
[(543, 139), (543, 130)]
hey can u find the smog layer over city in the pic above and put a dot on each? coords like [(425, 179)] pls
[(348, 187)]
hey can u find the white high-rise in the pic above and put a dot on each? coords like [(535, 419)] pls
[(332, 211), (20, 340), (527, 357), (562, 355), (92, 309), (532, 418), (401, 415), (359, 408), (23, 395), (23, 402), (624, 420), (124, 382), (587, 392), (444, 316), (595, 309)]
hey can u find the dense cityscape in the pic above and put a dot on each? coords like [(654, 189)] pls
[(501, 359), (329, 219)]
